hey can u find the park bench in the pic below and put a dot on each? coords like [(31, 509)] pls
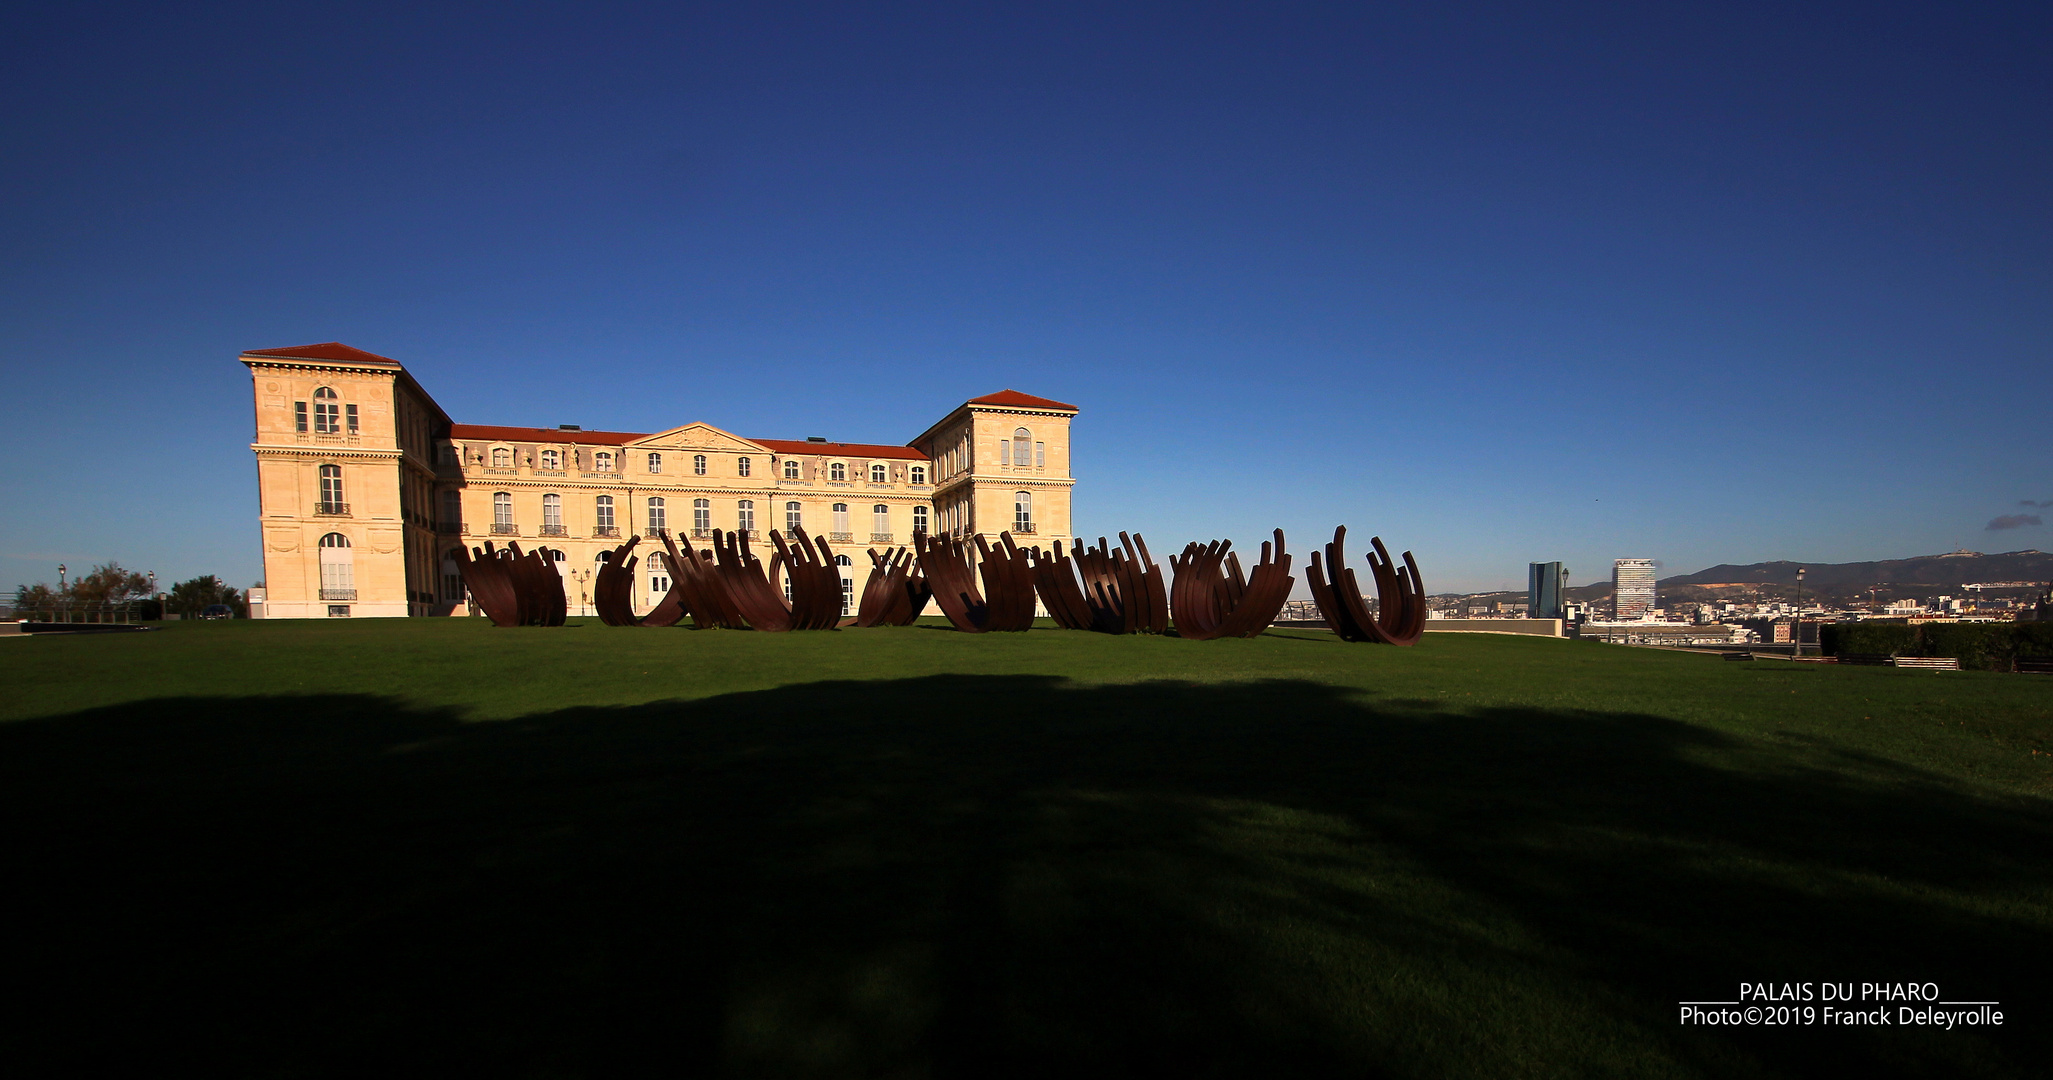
[(1929, 663), (2035, 666), (1739, 656), (1868, 659)]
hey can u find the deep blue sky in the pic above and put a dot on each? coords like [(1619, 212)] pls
[(1501, 283)]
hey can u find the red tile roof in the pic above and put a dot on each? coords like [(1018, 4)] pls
[(327, 350), (841, 449), (496, 433), (1027, 401)]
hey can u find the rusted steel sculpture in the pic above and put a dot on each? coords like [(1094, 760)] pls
[(1212, 599), (697, 580), (1007, 600), (613, 592), (896, 592), (752, 595), (816, 597), (1121, 591), (1400, 617), (514, 589)]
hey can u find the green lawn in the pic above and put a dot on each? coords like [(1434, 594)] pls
[(349, 848)]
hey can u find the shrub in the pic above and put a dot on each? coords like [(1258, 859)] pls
[(1855, 638), (1978, 646)]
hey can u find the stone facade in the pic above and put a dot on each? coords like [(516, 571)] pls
[(366, 487)]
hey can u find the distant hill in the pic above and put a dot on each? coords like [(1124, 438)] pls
[(1952, 569)]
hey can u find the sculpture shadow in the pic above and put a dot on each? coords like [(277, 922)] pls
[(1001, 876)]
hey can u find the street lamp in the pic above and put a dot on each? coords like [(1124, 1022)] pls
[(1796, 635), (61, 586)]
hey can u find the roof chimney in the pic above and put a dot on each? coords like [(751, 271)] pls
[(568, 427), (816, 438)]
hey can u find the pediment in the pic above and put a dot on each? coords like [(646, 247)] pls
[(697, 436)]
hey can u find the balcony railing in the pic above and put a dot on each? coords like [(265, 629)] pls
[(505, 528), (332, 509), (658, 532), (553, 530), (702, 534), (338, 594), (881, 538), (840, 538), (1022, 526), (606, 530), (454, 528)]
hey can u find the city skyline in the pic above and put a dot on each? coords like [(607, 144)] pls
[(1744, 288)]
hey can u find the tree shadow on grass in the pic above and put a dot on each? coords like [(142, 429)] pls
[(960, 876)]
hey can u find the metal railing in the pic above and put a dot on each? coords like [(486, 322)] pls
[(658, 532), (881, 538), (840, 538), (332, 509), (338, 594), (505, 528), (1022, 526), (606, 530), (553, 530), (702, 534)]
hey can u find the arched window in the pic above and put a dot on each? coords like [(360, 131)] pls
[(602, 515), (879, 474), (698, 464), (658, 525), (331, 491), (552, 515), (602, 461), (701, 516), (841, 518), (327, 412), (792, 517), (880, 522), (791, 468), (919, 474), (552, 459), (1023, 511), (837, 472), (502, 458), (741, 466), (745, 514), (556, 556), (1022, 447), (603, 556), (338, 570), (919, 518), (502, 512), (655, 562), (655, 463)]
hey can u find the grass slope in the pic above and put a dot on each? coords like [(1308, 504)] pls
[(331, 848)]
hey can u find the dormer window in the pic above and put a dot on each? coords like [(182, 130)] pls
[(919, 474), (838, 471), (698, 464), (502, 458), (655, 463), (791, 468), (327, 412), (552, 459), (741, 468), (879, 474), (602, 461)]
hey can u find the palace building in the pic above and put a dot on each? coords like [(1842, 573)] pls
[(366, 487)]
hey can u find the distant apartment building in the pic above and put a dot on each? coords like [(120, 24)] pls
[(1545, 583), (1632, 588)]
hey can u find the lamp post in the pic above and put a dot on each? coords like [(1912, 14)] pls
[(1796, 629), (61, 586)]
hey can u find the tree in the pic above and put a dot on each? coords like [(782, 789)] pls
[(109, 584), (189, 598)]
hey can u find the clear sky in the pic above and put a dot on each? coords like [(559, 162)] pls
[(1714, 283)]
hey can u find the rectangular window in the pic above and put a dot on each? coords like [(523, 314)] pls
[(552, 511), (919, 519), (745, 514), (701, 516), (299, 416), (452, 586), (349, 411), (603, 513), (655, 463), (656, 520), (698, 464), (1040, 455), (341, 611), (741, 466), (1004, 451)]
